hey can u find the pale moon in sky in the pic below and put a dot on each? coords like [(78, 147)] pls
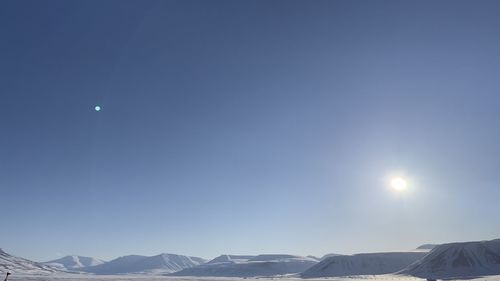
[(97, 108), (399, 184)]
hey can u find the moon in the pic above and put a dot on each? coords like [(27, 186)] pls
[(97, 108), (399, 183)]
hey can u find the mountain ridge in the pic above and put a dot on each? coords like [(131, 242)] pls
[(458, 260), (136, 264), (13, 264), (363, 264), (72, 262)]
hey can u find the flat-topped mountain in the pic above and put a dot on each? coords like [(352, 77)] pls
[(247, 266), (363, 264)]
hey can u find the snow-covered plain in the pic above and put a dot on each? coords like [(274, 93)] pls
[(70, 277)]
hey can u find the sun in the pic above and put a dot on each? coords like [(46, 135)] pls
[(399, 183)]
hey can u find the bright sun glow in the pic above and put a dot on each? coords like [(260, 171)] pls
[(399, 184)]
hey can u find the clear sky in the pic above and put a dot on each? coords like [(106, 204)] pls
[(247, 126)]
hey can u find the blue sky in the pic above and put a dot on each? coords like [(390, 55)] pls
[(247, 126)]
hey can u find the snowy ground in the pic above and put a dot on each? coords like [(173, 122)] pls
[(165, 278)]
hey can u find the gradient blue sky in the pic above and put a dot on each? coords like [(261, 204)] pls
[(247, 126)]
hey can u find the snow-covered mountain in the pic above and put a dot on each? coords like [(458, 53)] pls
[(363, 264), (9, 263), (160, 264), (246, 266), (74, 262), (459, 260)]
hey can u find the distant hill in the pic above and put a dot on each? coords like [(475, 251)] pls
[(230, 258), (74, 262), (313, 257), (261, 265), (427, 246), (9, 263), (459, 260), (135, 264), (363, 264), (273, 257)]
